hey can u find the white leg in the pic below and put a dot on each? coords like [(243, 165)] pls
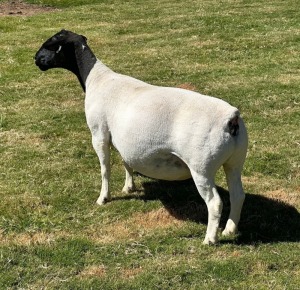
[(208, 192), (237, 197), (129, 185), (102, 149)]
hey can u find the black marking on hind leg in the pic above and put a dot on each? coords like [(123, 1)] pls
[(233, 125)]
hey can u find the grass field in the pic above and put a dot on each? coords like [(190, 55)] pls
[(54, 236)]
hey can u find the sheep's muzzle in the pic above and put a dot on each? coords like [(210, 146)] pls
[(44, 59)]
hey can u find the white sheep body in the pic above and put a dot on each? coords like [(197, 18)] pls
[(166, 133), (158, 130)]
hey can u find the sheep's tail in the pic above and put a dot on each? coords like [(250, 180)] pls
[(233, 124)]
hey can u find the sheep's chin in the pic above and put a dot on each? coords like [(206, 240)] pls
[(43, 68)]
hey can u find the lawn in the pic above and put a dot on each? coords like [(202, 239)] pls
[(54, 236)]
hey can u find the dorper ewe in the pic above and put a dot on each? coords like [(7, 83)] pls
[(163, 133)]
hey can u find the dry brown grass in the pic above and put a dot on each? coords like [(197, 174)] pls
[(130, 273), (140, 224), (274, 189), (281, 195), (93, 271), (100, 271), (31, 239), (287, 79), (221, 255), (14, 137)]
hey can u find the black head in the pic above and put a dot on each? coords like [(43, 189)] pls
[(58, 50), (67, 50)]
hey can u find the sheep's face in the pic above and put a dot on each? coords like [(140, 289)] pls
[(58, 50)]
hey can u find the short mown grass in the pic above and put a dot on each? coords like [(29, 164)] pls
[(54, 236)]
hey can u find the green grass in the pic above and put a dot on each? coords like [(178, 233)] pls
[(53, 236)]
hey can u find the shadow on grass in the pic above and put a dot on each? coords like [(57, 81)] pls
[(263, 220)]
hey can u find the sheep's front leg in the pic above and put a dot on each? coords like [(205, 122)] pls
[(208, 192), (129, 185), (102, 149)]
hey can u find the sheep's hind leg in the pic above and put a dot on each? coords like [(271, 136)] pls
[(129, 185), (237, 197), (102, 149), (209, 193)]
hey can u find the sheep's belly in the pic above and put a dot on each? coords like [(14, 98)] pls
[(162, 166)]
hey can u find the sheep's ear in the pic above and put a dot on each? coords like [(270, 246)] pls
[(62, 32), (84, 38)]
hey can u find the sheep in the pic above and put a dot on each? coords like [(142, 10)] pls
[(161, 132)]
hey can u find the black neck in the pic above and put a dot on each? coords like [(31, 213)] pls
[(83, 63)]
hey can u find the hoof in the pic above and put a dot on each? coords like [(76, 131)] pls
[(227, 233), (230, 229), (208, 241), (128, 189), (103, 201)]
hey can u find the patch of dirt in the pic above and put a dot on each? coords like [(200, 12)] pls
[(21, 8), (187, 86), (93, 271), (131, 273)]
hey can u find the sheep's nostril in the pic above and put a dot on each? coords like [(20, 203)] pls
[(42, 62), (40, 59), (37, 60)]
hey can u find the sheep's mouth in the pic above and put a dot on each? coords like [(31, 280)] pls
[(41, 66)]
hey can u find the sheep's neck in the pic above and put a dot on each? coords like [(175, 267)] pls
[(85, 61)]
